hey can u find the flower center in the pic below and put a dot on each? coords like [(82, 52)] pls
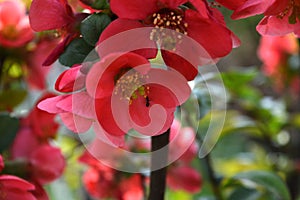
[(168, 19), (172, 19), (130, 85), (10, 32), (294, 9)]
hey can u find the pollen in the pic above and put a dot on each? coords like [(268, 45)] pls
[(131, 85), (168, 19)]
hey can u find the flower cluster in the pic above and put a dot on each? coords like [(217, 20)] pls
[(102, 181)]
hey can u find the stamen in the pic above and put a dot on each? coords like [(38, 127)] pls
[(131, 85)]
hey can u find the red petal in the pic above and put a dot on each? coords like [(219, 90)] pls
[(9, 182), (180, 64), (185, 178), (250, 8), (59, 49), (137, 39), (48, 164), (276, 7), (50, 14), (213, 36), (100, 80), (1, 163), (231, 4), (70, 80), (107, 120), (172, 3), (133, 9)]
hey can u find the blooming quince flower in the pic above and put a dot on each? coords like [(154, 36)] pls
[(12, 187), (41, 123), (184, 178), (104, 182), (58, 14), (127, 93), (280, 16), (203, 24), (15, 30), (274, 52)]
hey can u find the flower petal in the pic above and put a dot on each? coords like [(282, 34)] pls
[(107, 120), (137, 39), (180, 64), (212, 35), (49, 104), (250, 8), (70, 80), (75, 123), (273, 26), (80, 104), (172, 3), (133, 9), (185, 178), (50, 14), (100, 80)]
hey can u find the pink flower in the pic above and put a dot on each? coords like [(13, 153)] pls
[(203, 24), (15, 30), (12, 187), (280, 16), (58, 14)]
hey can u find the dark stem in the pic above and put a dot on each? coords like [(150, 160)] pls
[(159, 161)]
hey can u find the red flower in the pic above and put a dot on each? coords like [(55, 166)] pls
[(281, 16), (127, 93), (203, 24), (104, 182), (15, 30), (12, 187), (275, 51), (1, 163), (41, 123), (47, 164), (184, 178), (57, 14)]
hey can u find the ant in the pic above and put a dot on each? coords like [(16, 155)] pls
[(147, 101)]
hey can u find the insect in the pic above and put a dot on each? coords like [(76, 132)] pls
[(147, 101)]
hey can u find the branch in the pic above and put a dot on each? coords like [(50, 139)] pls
[(158, 177)]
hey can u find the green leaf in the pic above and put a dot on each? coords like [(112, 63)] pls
[(77, 52), (93, 26), (271, 183), (245, 194), (9, 127)]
